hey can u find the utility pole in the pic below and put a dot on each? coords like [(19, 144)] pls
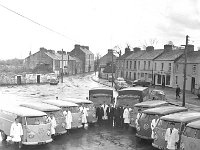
[(185, 68), (112, 68), (62, 68), (68, 64)]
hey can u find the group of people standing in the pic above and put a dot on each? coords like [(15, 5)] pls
[(113, 116)]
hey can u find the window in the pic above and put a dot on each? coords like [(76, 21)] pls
[(126, 64), (134, 64), (134, 76), (170, 67), (138, 65), (176, 80), (155, 66), (162, 66), (130, 64), (144, 65), (194, 67), (168, 80), (189, 132), (129, 75), (142, 74), (126, 75), (159, 79), (149, 63), (176, 67), (138, 75), (150, 76)]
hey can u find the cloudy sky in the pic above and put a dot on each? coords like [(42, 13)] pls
[(99, 24)]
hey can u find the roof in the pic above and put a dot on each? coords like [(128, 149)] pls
[(85, 50), (60, 103), (101, 88), (58, 56), (165, 110), (195, 124), (78, 101), (170, 55), (151, 104), (150, 55), (192, 57), (41, 106), (101, 91), (23, 111), (125, 55), (138, 88), (135, 55), (182, 117)]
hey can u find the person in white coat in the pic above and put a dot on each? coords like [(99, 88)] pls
[(138, 116), (68, 119), (172, 137), (16, 132), (105, 115), (53, 125), (126, 116), (154, 122), (84, 115)]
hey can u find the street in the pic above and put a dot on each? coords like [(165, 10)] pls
[(95, 137)]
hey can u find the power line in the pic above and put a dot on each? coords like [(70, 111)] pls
[(50, 29)]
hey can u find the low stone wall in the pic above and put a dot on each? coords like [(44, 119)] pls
[(25, 78)]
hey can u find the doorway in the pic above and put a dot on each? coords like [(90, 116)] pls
[(163, 80), (38, 78), (193, 84), (19, 80)]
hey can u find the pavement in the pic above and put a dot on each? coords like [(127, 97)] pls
[(191, 101)]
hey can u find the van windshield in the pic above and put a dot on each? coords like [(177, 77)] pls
[(147, 116), (166, 124), (89, 106), (36, 120), (190, 132), (58, 114)]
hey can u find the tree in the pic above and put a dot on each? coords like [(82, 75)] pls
[(152, 42)]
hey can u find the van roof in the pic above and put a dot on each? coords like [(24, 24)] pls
[(78, 101), (195, 124), (101, 88), (23, 111), (138, 88), (182, 116), (151, 103), (165, 110), (41, 106), (60, 103)]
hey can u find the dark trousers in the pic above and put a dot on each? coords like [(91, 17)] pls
[(126, 125), (99, 120), (177, 95)]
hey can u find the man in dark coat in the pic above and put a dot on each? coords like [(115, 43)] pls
[(117, 117), (110, 112), (121, 121), (99, 114), (178, 90)]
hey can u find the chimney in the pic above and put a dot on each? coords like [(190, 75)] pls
[(167, 47), (42, 49), (127, 50), (76, 46), (30, 53), (86, 47), (51, 51), (110, 51), (149, 48), (60, 52), (190, 48), (136, 49)]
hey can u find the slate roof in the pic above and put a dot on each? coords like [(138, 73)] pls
[(125, 55), (150, 55), (108, 69), (57, 56), (85, 50), (170, 55), (192, 57), (135, 55)]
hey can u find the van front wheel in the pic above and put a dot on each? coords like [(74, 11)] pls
[(3, 136)]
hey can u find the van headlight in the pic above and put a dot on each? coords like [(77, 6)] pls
[(182, 146), (155, 136), (31, 135), (138, 127), (94, 115), (48, 132)]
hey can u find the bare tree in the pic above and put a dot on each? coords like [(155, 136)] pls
[(151, 42)]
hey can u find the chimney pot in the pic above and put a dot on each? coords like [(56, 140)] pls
[(167, 47), (149, 48), (136, 49)]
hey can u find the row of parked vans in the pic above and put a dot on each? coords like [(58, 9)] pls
[(34, 118), (186, 121)]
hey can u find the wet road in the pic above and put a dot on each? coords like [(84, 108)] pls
[(95, 137)]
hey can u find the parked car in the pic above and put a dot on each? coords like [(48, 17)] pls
[(157, 95), (140, 83), (110, 79), (54, 81), (120, 85)]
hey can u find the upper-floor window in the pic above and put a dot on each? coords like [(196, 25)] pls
[(138, 65), (176, 67), (134, 64), (130, 64), (149, 63), (144, 65), (155, 66), (194, 67), (162, 66), (170, 66), (126, 64)]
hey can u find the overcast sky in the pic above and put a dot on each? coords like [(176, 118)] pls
[(99, 24)]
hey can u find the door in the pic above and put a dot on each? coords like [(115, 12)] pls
[(163, 80), (19, 80), (38, 78), (154, 79), (193, 85)]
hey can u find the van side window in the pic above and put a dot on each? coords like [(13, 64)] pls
[(163, 124), (198, 134), (190, 132)]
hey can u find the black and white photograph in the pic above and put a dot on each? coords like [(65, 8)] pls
[(100, 75)]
